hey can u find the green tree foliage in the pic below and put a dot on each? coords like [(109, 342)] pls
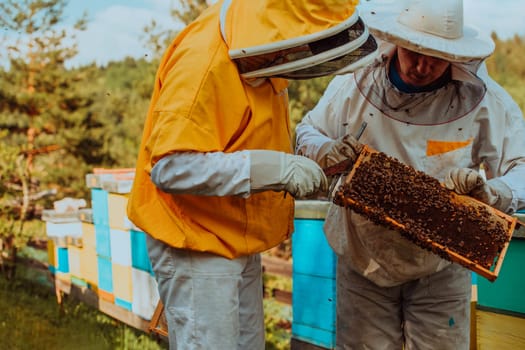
[(117, 115), (36, 99), (32, 35), (190, 10), (304, 95), (61, 123), (506, 66), (9, 160)]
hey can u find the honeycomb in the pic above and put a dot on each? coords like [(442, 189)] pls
[(457, 228)]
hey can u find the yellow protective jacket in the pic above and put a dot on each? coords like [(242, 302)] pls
[(200, 104)]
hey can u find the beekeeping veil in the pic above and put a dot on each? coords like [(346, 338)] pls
[(431, 28), (295, 39)]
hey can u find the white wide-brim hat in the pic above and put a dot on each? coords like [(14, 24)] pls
[(433, 28)]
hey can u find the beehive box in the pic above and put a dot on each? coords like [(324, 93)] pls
[(101, 175), (458, 228), (122, 285), (314, 314), (139, 252), (145, 293), (117, 216), (506, 293)]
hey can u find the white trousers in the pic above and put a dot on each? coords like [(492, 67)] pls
[(431, 313), (210, 302)]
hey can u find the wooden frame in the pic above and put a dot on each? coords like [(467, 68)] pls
[(158, 322), (489, 273)]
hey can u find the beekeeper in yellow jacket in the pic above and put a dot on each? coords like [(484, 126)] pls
[(424, 102), (216, 177)]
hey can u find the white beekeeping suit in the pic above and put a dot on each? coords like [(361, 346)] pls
[(446, 132)]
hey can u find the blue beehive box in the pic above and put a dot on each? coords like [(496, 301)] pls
[(102, 240), (506, 293), (123, 303), (63, 260), (139, 252), (105, 274), (314, 284), (314, 310), (99, 203), (310, 250)]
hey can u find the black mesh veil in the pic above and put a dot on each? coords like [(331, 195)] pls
[(349, 48)]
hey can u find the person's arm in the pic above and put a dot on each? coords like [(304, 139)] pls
[(503, 151), (509, 166), (322, 134), (493, 192), (509, 170), (239, 173)]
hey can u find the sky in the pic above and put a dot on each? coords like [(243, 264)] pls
[(115, 27)]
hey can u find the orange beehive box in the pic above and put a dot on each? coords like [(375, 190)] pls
[(88, 267), (122, 282)]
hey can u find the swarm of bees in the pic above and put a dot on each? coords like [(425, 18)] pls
[(397, 196)]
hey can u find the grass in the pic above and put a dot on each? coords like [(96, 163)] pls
[(30, 318), (277, 316)]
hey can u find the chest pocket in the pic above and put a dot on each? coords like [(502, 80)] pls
[(445, 155)]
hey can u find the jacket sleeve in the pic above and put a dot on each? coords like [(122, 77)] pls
[(324, 123), (208, 174), (506, 159)]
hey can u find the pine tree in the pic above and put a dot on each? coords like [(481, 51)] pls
[(37, 101)]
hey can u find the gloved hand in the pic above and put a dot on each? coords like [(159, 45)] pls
[(279, 171), (493, 192), (345, 147)]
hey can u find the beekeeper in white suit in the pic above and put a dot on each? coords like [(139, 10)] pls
[(216, 175), (425, 105)]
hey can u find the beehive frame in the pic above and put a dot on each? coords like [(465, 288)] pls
[(508, 222)]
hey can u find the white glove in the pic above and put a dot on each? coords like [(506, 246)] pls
[(345, 147), (279, 171), (467, 181)]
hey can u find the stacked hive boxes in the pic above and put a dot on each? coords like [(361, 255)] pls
[(64, 230), (506, 293), (125, 276), (88, 254), (143, 284), (112, 259), (314, 269)]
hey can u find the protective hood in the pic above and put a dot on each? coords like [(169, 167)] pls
[(276, 37)]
